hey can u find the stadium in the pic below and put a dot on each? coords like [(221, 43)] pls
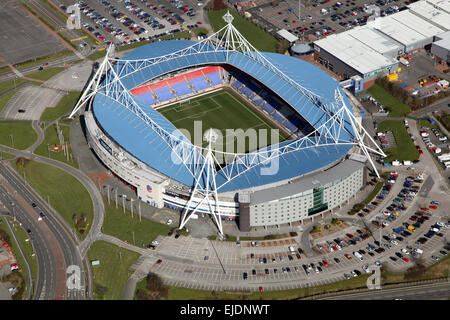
[(217, 127)]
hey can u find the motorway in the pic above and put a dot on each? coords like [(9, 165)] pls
[(53, 245)]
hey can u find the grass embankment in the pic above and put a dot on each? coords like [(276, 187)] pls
[(395, 107), (18, 135), (41, 60), (8, 85), (4, 99), (97, 55), (121, 225), (426, 123), (45, 74), (67, 195), (405, 149), (112, 274), (51, 139), (259, 38), (62, 108)]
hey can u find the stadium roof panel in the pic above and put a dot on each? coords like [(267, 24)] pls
[(431, 13), (354, 53)]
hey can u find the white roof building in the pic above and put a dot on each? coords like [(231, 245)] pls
[(287, 35), (431, 13), (354, 53), (376, 41), (417, 23), (441, 4)]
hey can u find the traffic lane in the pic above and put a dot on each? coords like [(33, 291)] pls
[(90, 186), (435, 291), (70, 253), (58, 267), (44, 287)]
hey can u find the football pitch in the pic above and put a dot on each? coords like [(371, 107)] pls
[(239, 125)]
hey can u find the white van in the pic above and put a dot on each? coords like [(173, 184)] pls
[(358, 255), (419, 251), (291, 249)]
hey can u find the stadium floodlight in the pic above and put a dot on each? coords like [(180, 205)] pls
[(337, 127)]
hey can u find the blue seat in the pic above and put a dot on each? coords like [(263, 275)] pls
[(147, 98), (181, 88), (199, 83), (268, 108), (215, 78), (164, 94)]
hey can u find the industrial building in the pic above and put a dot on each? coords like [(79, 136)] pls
[(347, 56), (371, 51), (441, 47)]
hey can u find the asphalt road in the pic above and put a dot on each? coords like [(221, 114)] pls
[(433, 291), (46, 251), (46, 277)]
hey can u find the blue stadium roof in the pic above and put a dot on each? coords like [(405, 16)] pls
[(141, 141)]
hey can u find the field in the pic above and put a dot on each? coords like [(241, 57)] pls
[(221, 110), (396, 107), (63, 108), (259, 38), (130, 229), (18, 135), (111, 275), (51, 139), (67, 195), (405, 149)]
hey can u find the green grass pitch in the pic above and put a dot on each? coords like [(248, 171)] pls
[(222, 110)]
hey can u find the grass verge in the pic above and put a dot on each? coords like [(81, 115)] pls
[(51, 139), (121, 225), (111, 275), (45, 74), (405, 149), (62, 108), (395, 107), (67, 195), (17, 135), (259, 38), (4, 99)]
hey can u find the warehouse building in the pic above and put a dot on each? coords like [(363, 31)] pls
[(432, 14), (347, 56), (412, 31), (372, 50), (441, 47), (377, 41)]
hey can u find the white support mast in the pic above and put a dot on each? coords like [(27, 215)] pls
[(207, 175)]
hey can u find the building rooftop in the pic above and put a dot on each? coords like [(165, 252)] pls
[(354, 53), (444, 40), (417, 23), (287, 35), (441, 4), (305, 183), (375, 39), (426, 10)]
